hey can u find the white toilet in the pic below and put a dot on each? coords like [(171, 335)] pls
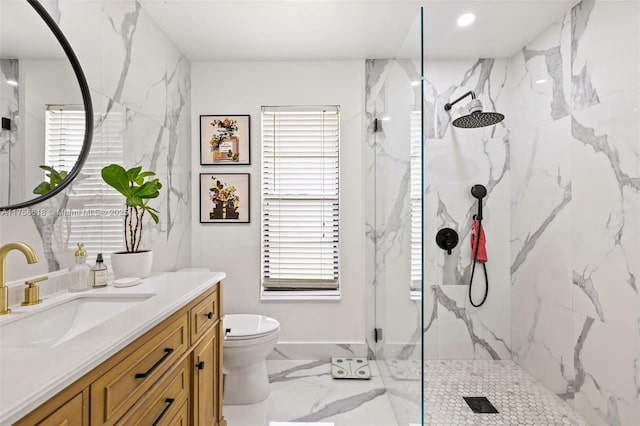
[(248, 341)]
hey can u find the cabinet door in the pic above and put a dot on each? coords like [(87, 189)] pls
[(182, 416), (205, 380), (69, 414), (218, 350)]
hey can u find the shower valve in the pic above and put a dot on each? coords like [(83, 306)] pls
[(447, 239)]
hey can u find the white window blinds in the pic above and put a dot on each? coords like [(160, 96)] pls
[(300, 198), (64, 128), (94, 213), (416, 199)]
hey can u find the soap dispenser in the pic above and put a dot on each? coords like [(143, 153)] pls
[(99, 273), (80, 271)]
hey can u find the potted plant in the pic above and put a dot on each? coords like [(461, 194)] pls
[(138, 188), (55, 178)]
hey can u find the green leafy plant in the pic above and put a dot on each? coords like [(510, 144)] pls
[(55, 178), (138, 188)]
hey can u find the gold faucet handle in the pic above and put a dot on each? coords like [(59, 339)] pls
[(32, 293), (32, 282)]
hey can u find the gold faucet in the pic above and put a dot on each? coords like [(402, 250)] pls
[(31, 256)]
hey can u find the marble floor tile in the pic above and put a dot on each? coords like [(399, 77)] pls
[(304, 393), (404, 388)]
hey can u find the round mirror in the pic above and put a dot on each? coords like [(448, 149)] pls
[(47, 115)]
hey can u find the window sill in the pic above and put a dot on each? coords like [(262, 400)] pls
[(327, 295)]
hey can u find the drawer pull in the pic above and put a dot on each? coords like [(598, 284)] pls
[(167, 401), (200, 365), (167, 352), (209, 315)]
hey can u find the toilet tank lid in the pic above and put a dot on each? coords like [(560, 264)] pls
[(245, 325)]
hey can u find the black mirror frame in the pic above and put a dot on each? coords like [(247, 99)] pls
[(88, 109)]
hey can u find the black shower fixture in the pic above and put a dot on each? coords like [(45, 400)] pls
[(478, 248), (447, 239), (476, 117), (479, 191)]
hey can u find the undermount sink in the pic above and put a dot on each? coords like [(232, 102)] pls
[(61, 322)]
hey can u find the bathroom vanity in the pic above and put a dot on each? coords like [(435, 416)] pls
[(157, 361)]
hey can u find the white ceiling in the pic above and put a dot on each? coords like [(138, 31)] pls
[(24, 35), (217, 30)]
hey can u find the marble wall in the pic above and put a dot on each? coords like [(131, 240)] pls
[(389, 98), (575, 200), (140, 87), (9, 138), (562, 216), (455, 159)]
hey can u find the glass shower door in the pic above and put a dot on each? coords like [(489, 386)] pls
[(394, 226)]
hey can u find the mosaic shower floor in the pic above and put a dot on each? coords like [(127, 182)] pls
[(303, 393), (519, 398)]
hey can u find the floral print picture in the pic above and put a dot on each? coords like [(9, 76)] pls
[(224, 198), (224, 139)]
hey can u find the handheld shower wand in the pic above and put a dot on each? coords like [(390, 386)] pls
[(479, 192), (477, 243)]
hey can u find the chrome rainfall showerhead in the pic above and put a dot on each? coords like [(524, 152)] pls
[(476, 117)]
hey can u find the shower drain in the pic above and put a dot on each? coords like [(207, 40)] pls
[(480, 405)]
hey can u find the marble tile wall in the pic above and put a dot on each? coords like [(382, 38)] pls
[(390, 98), (455, 159), (562, 215), (575, 201), (9, 138), (140, 85)]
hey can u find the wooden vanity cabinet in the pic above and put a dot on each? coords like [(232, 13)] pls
[(71, 413), (172, 375)]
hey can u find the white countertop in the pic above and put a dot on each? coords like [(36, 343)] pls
[(31, 376)]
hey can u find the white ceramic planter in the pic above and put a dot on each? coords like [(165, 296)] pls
[(131, 264)]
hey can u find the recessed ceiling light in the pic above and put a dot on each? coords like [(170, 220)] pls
[(12, 82), (415, 83), (466, 19), (542, 80), (386, 118)]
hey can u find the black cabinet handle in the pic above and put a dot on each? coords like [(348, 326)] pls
[(200, 365), (167, 401), (167, 352), (209, 315)]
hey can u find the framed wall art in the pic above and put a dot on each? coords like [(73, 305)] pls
[(224, 198), (224, 139)]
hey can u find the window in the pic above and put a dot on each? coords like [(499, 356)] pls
[(415, 122), (93, 213), (64, 127), (300, 199)]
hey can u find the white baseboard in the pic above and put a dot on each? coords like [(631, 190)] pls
[(317, 351)]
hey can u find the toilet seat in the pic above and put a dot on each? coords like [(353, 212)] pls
[(248, 327)]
